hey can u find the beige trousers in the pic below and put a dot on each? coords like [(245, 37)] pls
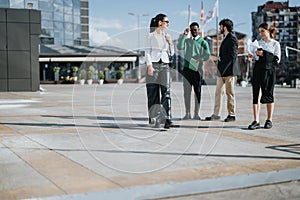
[(225, 84)]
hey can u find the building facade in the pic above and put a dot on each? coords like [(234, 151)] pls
[(286, 20), (64, 22), (19, 52)]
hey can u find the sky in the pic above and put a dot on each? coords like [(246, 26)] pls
[(111, 23)]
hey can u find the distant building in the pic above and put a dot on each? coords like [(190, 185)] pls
[(103, 58), (286, 20), (64, 22)]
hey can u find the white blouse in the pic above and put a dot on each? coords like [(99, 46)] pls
[(157, 48), (271, 46)]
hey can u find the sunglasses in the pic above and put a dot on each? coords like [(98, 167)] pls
[(166, 21)]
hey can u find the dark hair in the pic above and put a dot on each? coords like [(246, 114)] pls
[(155, 20), (194, 24), (269, 28), (227, 23)]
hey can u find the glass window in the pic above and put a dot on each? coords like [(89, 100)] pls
[(46, 5), (17, 4), (68, 36), (58, 16), (4, 4), (76, 7), (48, 24), (76, 19), (58, 6), (59, 2), (84, 20), (76, 36), (47, 15), (77, 32), (85, 12), (69, 42), (68, 27), (84, 4), (59, 26), (68, 6), (68, 18), (59, 37)]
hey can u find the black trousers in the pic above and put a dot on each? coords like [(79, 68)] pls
[(158, 92), (192, 79), (263, 79)]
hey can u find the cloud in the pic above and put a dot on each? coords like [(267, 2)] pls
[(98, 35), (185, 13), (102, 23)]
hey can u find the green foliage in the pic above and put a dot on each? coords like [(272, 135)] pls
[(91, 68), (101, 74), (90, 72), (119, 74), (74, 69), (56, 69), (82, 74)]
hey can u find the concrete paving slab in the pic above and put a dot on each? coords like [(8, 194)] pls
[(76, 139)]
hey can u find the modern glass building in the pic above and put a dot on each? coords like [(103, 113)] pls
[(64, 22)]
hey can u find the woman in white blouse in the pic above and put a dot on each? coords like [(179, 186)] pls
[(264, 77), (159, 49)]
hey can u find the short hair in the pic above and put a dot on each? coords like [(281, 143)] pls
[(194, 24), (227, 23)]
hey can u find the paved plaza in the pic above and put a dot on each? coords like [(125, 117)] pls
[(94, 142)]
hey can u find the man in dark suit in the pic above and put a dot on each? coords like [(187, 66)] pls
[(228, 70)]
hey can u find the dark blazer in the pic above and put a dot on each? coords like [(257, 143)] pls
[(228, 56), (267, 61)]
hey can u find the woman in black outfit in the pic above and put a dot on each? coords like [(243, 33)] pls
[(263, 80)]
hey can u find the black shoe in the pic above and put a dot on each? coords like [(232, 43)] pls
[(268, 124), (254, 125), (196, 117), (187, 116), (168, 124), (229, 118), (213, 118)]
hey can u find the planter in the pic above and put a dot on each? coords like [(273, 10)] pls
[(120, 81), (56, 76), (90, 81), (244, 83), (82, 81), (101, 81)]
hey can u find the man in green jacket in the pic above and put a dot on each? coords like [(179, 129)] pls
[(196, 51)]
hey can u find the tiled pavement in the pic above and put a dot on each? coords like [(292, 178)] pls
[(93, 142)]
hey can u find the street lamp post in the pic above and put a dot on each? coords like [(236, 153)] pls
[(138, 44), (138, 26)]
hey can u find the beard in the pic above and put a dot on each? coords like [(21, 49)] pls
[(222, 31)]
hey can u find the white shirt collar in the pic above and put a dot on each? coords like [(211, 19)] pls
[(195, 38)]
